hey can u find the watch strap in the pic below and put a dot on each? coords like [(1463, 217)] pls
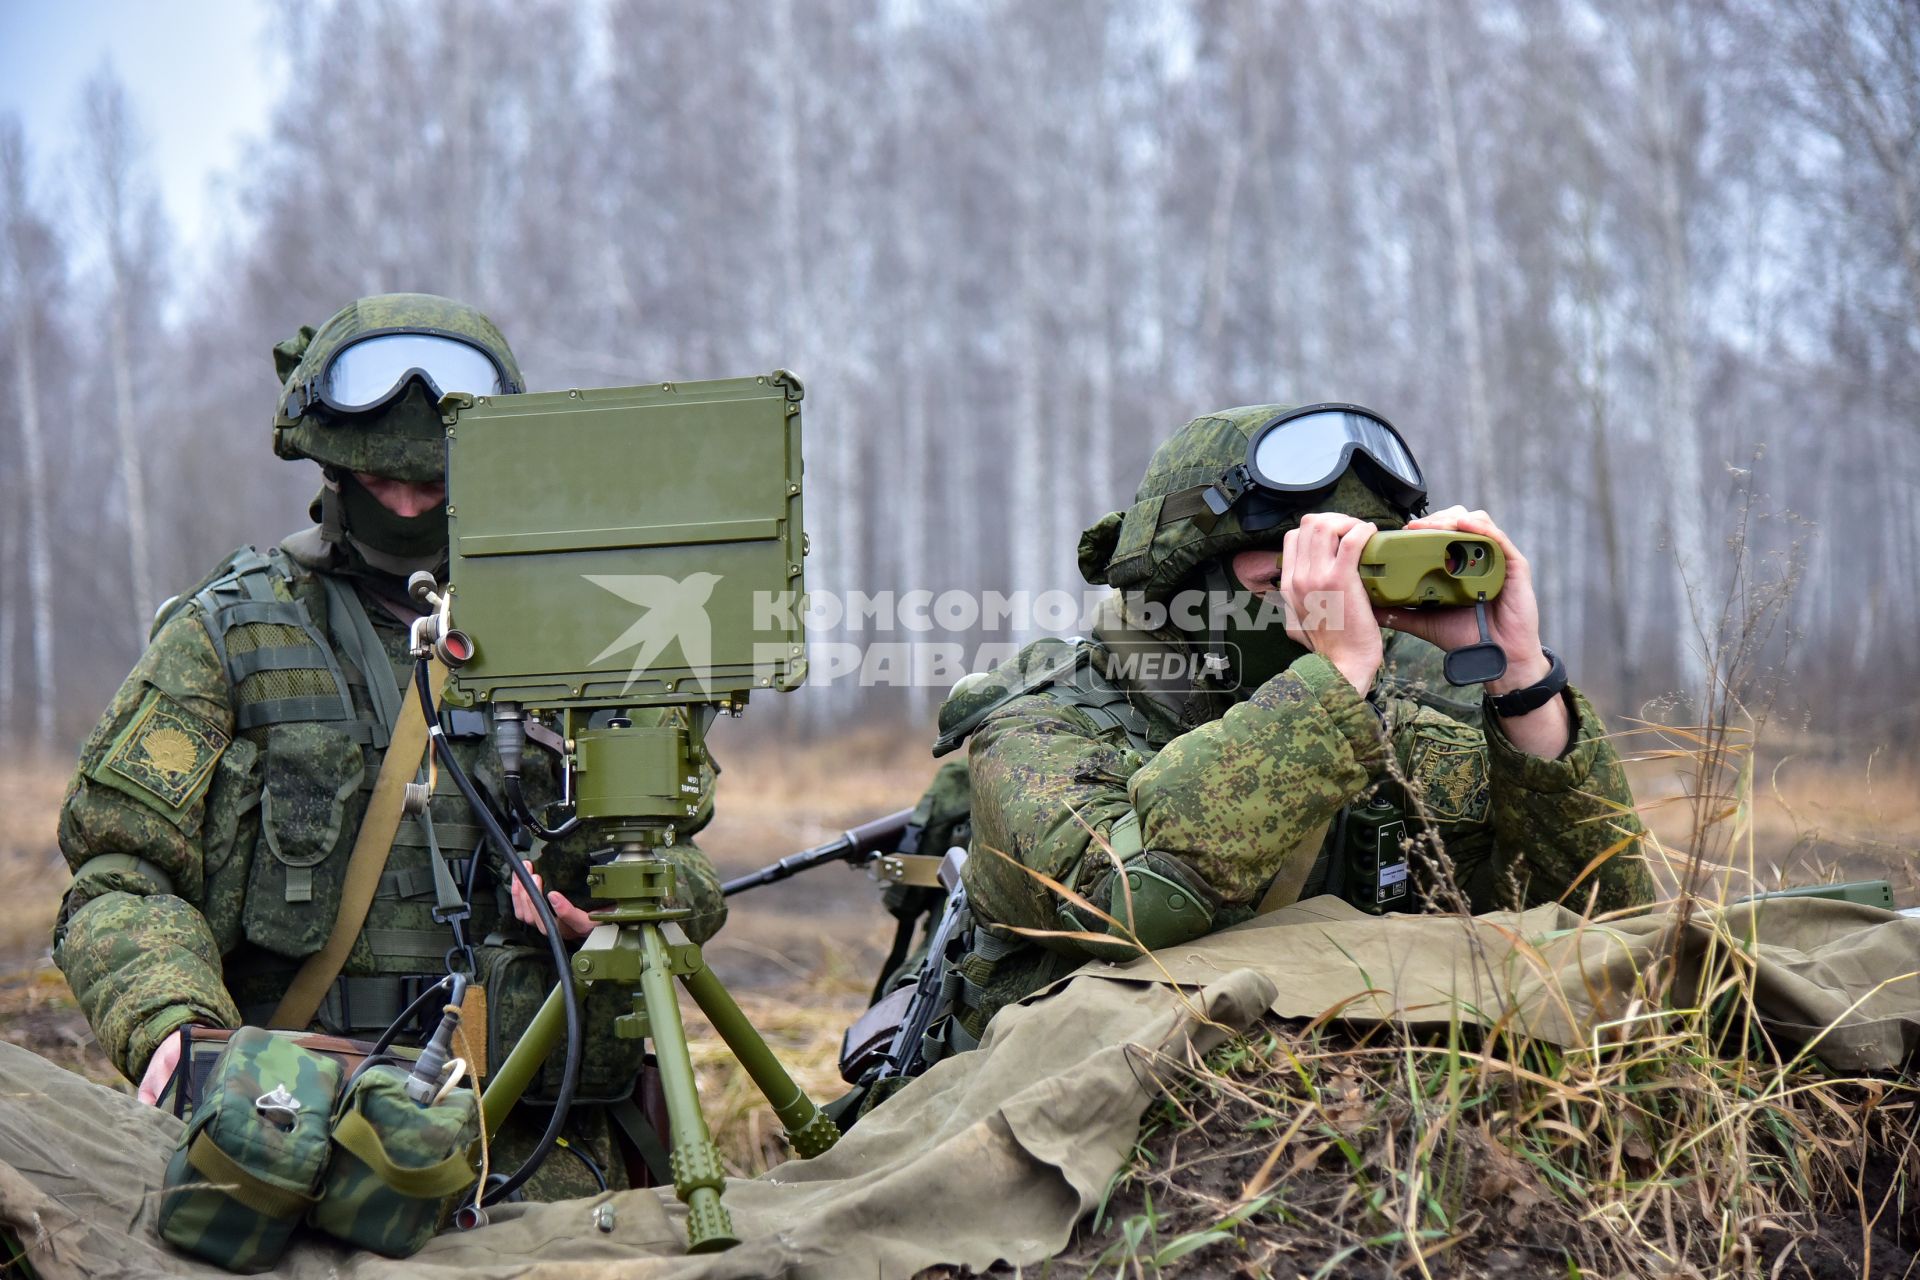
[(1536, 695)]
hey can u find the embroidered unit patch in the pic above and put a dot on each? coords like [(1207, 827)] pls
[(1451, 779), (166, 752)]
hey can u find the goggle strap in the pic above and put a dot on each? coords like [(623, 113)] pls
[(1203, 504)]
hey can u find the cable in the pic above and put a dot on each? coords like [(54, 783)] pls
[(517, 804), (593, 1167), (503, 847)]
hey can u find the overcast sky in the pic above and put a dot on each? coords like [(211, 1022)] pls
[(199, 73)]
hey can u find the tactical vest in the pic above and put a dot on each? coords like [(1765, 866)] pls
[(1363, 857), (317, 690)]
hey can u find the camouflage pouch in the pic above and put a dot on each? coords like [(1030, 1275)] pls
[(249, 1165), (309, 810), (517, 979), (201, 1049), (398, 1166)]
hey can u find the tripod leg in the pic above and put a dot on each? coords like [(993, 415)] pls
[(697, 1175), (530, 1052), (808, 1128)]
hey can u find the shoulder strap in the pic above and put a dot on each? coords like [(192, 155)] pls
[(353, 633), (222, 571), (1065, 672), (364, 867), (279, 664), (1106, 703)]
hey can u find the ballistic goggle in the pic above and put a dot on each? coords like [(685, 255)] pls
[(375, 369), (1303, 452)]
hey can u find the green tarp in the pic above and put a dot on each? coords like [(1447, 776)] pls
[(996, 1154)]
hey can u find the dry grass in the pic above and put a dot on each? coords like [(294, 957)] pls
[(1683, 1142), (1811, 819), (1314, 1153), (32, 873)]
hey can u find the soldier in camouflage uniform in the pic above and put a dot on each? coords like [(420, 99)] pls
[(217, 801), (1182, 805)]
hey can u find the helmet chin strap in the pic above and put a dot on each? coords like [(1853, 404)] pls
[(1215, 671)]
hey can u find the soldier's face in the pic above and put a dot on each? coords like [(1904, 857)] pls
[(401, 497), (1258, 570)]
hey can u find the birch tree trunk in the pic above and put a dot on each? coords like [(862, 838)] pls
[(1679, 434), (33, 457), (111, 177), (1029, 522), (1466, 291)]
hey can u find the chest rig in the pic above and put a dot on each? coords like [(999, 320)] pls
[(317, 691)]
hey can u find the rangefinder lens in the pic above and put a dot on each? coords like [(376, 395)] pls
[(1466, 559)]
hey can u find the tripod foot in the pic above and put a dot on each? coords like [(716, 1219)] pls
[(815, 1136), (709, 1226)]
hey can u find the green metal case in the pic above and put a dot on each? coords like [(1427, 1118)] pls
[(622, 546)]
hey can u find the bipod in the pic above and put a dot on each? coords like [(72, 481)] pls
[(639, 944)]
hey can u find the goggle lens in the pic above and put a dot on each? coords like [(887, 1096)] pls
[(366, 372), (1311, 449)]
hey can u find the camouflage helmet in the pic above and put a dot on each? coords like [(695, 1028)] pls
[(1172, 529), (397, 439)]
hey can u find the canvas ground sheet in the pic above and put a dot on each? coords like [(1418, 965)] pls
[(996, 1154)]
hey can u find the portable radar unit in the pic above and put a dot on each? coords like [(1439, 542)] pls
[(608, 550)]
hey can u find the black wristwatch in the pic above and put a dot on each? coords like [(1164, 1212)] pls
[(1536, 695)]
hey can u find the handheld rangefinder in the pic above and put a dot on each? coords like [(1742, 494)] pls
[(1437, 568)]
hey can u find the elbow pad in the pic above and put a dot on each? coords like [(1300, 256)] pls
[(1159, 897)]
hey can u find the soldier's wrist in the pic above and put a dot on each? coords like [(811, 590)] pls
[(1521, 673), (153, 1033)]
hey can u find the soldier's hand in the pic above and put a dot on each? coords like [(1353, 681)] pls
[(574, 923), (1327, 607), (153, 1081), (1513, 616)]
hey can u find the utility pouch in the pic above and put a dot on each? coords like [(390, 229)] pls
[(398, 1165), (202, 1047), (228, 838), (249, 1165), (517, 979), (311, 776)]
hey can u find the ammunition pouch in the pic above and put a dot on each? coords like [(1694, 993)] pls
[(312, 776), (249, 1165), (397, 1163), (273, 1141), (518, 979)]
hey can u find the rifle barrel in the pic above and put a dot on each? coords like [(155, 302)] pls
[(878, 836)]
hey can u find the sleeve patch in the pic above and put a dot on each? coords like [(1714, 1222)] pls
[(165, 754), (1450, 778)]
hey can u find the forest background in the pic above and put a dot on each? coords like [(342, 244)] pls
[(1642, 279)]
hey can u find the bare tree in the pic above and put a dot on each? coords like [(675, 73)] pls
[(29, 266), (127, 220)]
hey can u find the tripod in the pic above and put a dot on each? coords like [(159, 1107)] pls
[(639, 944)]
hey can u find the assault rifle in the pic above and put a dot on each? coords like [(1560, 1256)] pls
[(875, 845)]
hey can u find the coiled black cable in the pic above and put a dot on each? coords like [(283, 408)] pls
[(503, 847)]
